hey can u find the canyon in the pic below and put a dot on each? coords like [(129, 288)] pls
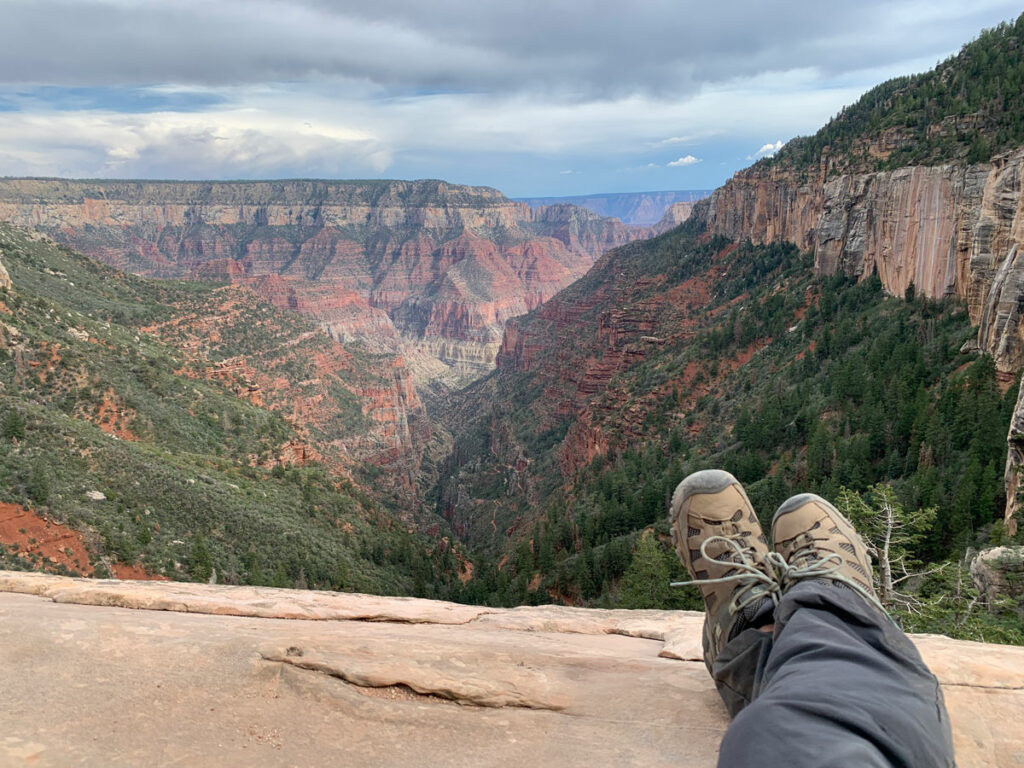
[(622, 361), (636, 209), (424, 270)]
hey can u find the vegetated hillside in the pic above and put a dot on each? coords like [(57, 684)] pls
[(686, 352), (966, 109), (134, 434), (426, 269)]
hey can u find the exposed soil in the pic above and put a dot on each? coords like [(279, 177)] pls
[(43, 543), (47, 545), (136, 573), (113, 419)]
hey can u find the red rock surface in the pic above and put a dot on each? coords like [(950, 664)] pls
[(50, 546), (950, 230)]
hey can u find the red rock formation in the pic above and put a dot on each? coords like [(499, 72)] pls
[(951, 230), (346, 410), (447, 264)]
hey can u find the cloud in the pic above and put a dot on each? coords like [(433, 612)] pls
[(685, 160), (567, 172), (469, 46), (455, 89), (766, 150), (241, 144)]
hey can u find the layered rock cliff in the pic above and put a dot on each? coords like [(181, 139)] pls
[(951, 230), (947, 230), (637, 209), (434, 266)]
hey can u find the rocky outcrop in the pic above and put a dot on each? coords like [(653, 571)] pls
[(675, 215), (5, 279), (366, 680), (949, 230), (346, 406), (999, 573), (434, 265), (1013, 475)]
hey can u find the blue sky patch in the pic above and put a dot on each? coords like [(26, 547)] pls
[(113, 99)]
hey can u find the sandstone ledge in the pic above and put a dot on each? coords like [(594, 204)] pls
[(220, 675)]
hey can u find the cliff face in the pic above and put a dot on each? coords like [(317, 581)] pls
[(5, 279), (950, 229), (637, 209), (438, 267), (674, 215)]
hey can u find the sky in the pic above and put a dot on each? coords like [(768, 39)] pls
[(533, 97)]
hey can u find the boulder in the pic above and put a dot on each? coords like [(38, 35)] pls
[(999, 572)]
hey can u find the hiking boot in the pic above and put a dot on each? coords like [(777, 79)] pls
[(720, 541), (817, 542)]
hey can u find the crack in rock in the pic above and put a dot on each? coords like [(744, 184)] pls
[(494, 686)]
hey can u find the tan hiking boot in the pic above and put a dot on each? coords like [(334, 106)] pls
[(818, 542), (720, 541)]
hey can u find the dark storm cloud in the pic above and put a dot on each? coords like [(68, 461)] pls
[(580, 49)]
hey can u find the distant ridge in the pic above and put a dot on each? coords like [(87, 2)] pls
[(635, 209)]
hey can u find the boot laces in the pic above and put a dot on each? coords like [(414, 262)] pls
[(774, 575), (749, 574), (819, 564)]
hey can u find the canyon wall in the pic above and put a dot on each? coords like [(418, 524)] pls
[(637, 209), (426, 269), (674, 215), (951, 230)]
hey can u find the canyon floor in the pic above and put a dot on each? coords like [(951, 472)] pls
[(127, 673)]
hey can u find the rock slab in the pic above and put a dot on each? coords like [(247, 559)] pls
[(130, 673)]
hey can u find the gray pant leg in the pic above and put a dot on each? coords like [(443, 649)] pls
[(740, 668), (842, 686)]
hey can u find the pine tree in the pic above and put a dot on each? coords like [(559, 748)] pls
[(892, 535), (646, 581), (14, 425)]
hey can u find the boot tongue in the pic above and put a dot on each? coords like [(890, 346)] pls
[(757, 614)]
